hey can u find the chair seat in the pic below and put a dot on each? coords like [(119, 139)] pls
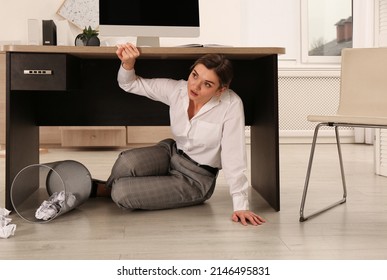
[(347, 119)]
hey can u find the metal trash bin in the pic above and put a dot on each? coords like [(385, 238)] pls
[(42, 192)]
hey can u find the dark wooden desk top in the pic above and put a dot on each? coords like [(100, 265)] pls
[(150, 52)]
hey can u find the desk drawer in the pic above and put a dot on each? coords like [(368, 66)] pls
[(31, 71)]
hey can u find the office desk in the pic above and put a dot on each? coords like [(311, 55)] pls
[(76, 86)]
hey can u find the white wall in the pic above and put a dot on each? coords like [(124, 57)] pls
[(14, 16), (272, 23)]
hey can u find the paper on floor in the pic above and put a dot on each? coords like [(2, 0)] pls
[(6, 229)]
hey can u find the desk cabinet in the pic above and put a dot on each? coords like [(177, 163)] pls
[(48, 135), (43, 72)]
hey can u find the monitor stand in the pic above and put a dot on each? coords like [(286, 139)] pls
[(148, 42)]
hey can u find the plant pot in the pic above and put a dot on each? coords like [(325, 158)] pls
[(93, 41)]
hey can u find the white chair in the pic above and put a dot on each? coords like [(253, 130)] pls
[(363, 103)]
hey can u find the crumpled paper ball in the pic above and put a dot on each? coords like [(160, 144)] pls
[(6, 228)]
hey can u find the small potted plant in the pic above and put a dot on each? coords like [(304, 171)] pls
[(88, 37)]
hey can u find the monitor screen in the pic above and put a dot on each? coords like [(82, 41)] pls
[(148, 20)]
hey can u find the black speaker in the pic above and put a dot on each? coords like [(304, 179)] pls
[(49, 32)]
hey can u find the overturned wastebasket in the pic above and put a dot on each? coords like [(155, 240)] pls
[(42, 192)]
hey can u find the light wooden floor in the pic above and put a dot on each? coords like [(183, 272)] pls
[(100, 230)]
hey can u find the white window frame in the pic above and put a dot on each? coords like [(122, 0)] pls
[(305, 57)]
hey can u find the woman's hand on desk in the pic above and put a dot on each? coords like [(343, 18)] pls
[(128, 54), (244, 216)]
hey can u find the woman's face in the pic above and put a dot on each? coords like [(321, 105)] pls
[(203, 84)]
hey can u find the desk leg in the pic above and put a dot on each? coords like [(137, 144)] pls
[(22, 148), (264, 135), (265, 165)]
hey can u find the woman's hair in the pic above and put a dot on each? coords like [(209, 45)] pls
[(221, 66)]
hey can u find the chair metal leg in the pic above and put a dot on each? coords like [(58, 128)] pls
[(344, 184), (302, 216)]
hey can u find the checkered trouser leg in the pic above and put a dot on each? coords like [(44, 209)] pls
[(157, 177)]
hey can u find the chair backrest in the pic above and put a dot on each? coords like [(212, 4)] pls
[(363, 89)]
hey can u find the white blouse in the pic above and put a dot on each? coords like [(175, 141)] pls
[(215, 136)]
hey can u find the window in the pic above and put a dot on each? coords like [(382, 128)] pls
[(327, 28)]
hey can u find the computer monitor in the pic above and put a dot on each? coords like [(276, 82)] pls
[(148, 20)]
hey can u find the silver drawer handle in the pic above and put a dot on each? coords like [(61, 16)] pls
[(37, 72)]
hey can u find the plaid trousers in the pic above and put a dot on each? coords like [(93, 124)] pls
[(158, 177)]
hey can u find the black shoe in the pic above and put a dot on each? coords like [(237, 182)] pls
[(94, 186)]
